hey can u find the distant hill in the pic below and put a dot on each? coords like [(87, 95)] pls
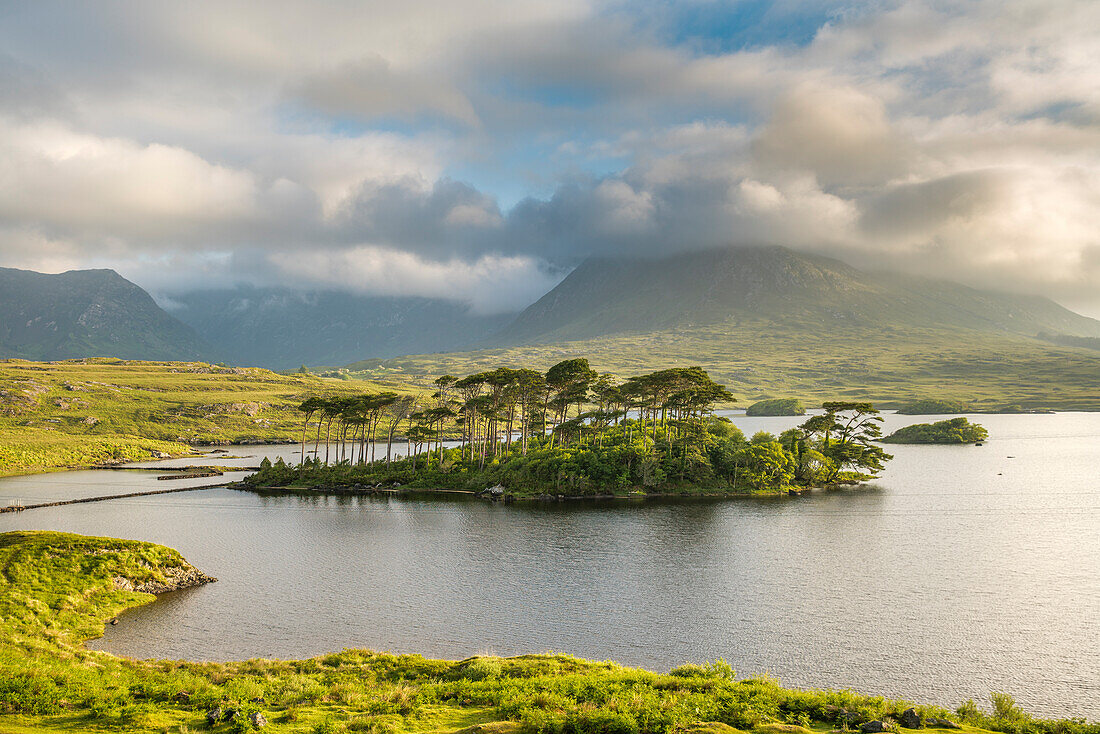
[(281, 328), (88, 313), (732, 286)]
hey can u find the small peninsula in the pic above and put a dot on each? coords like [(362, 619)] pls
[(951, 431), (572, 432)]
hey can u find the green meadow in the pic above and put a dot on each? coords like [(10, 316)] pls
[(73, 413)]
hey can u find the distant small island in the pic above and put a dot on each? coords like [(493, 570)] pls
[(951, 431), (776, 406), (571, 432)]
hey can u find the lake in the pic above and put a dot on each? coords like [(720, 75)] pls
[(962, 571)]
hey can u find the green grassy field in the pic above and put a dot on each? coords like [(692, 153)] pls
[(57, 590), (79, 412), (757, 361)]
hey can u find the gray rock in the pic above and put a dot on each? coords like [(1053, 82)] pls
[(258, 720), (213, 716), (850, 718), (910, 719), (873, 727)]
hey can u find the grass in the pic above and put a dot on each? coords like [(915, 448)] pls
[(75, 413), (56, 590), (758, 360)]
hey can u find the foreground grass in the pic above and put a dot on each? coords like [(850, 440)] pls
[(761, 360), (80, 412), (56, 590)]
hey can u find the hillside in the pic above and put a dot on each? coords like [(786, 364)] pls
[(79, 412), (800, 291), (88, 313), (281, 328)]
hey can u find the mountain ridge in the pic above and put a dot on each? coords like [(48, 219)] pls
[(88, 313)]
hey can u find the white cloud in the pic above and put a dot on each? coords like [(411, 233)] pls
[(490, 284), (222, 140)]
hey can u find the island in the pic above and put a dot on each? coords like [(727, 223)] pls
[(571, 432), (951, 431), (776, 406), (59, 590)]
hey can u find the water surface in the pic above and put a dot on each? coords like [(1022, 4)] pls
[(963, 570)]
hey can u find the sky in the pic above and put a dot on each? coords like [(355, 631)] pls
[(477, 151)]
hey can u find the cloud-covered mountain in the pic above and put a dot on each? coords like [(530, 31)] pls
[(800, 292), (280, 328)]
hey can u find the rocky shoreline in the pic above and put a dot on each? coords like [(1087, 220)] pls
[(175, 578)]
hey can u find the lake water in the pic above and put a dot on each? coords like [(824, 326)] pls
[(962, 571)]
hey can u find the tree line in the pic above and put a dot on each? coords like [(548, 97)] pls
[(497, 412), (572, 425)]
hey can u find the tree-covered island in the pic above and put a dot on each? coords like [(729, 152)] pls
[(574, 432), (951, 431)]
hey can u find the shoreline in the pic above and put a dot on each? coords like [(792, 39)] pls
[(510, 498)]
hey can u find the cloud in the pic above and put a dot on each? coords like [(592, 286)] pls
[(490, 284), (371, 144)]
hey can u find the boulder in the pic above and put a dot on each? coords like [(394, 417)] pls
[(213, 716), (910, 719), (873, 727), (850, 718), (258, 720)]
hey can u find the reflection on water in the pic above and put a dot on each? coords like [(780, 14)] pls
[(960, 572)]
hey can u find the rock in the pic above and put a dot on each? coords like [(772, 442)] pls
[(850, 718), (258, 699), (873, 727), (910, 719), (161, 455), (257, 720), (496, 491), (114, 621), (941, 724), (90, 420), (175, 578), (183, 697), (213, 716)]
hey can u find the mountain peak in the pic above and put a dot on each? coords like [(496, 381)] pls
[(82, 313), (771, 283)]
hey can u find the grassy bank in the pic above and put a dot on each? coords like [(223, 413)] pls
[(57, 590), (74, 413)]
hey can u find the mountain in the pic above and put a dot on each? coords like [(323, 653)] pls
[(792, 290), (88, 313), (772, 323), (281, 328)]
